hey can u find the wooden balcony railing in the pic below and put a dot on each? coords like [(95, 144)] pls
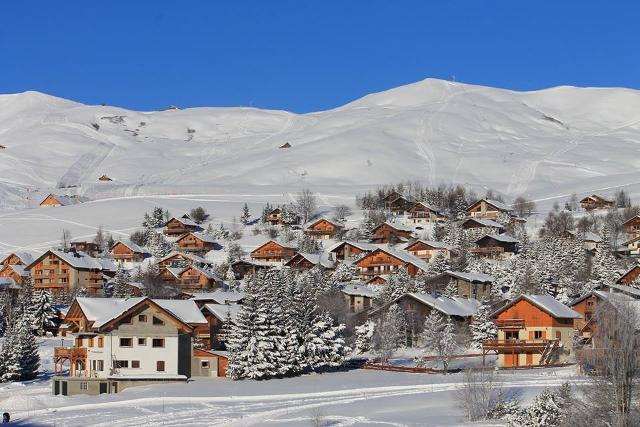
[(489, 250), (70, 353), (510, 323), (517, 345)]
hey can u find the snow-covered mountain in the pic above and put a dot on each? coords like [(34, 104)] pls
[(541, 144)]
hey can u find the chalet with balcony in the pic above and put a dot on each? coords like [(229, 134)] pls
[(468, 285), (422, 213), (388, 232), (385, 261), (482, 226), (18, 258), (349, 249), (632, 225), (586, 306), (125, 251), (595, 201), (496, 246), (305, 262), (631, 247), (196, 242), (323, 229), (358, 296), (178, 226), (89, 248), (121, 343), (272, 251), (426, 249), (533, 330), (485, 208), (417, 306), (59, 272), (16, 272), (182, 259), (274, 217), (243, 267), (630, 276), (398, 203), (191, 278)]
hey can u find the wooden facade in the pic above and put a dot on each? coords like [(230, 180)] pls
[(274, 217), (191, 279), (323, 229), (179, 226), (487, 209), (586, 306), (15, 272), (52, 201), (423, 213), (595, 202), (242, 268), (389, 233), (397, 203), (17, 259), (122, 252), (632, 225), (350, 250), (380, 262), (195, 242), (56, 275), (273, 251), (499, 247), (89, 248), (427, 250), (630, 276)]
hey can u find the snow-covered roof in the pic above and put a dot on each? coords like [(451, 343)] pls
[(499, 237), (600, 294), (631, 270), (204, 237), (485, 222), (367, 247), (220, 297), (189, 256), (633, 218), (19, 269), (130, 245), (428, 206), (404, 256), (63, 200), (207, 273), (634, 292), (470, 277), (359, 290), (323, 259), (450, 306), (499, 205), (338, 224), (184, 221), (223, 311), (290, 245), (432, 243), (548, 304), (176, 271), (81, 261), (25, 257), (399, 227), (8, 283), (102, 310), (185, 310)]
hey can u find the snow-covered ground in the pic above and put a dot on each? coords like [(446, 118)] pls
[(350, 398)]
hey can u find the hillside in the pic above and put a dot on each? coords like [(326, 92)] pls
[(542, 144)]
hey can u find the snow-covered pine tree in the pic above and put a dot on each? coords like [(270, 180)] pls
[(397, 285), (308, 245), (344, 272), (391, 334), (330, 348), (482, 327), (605, 267), (451, 290), (364, 336), (439, 265), (245, 216), (26, 301), (545, 411), (121, 288), (45, 316), (9, 357), (158, 246), (439, 337), (27, 349), (420, 283), (366, 228), (230, 277)]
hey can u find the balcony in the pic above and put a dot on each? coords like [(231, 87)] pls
[(518, 346), (70, 353), (488, 250), (510, 323)]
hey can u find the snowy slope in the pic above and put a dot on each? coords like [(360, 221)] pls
[(541, 144)]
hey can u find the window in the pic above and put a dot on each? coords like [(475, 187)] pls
[(100, 342), (511, 335), (160, 366), (126, 342), (157, 342), (142, 318), (135, 363), (142, 341), (120, 364), (157, 321), (91, 342), (78, 342), (537, 335), (204, 364), (83, 386), (99, 365), (128, 320)]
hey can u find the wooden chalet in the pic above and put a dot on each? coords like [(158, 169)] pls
[(468, 285), (54, 201), (243, 267), (104, 178), (426, 249), (275, 217), (632, 225), (391, 233), (191, 278), (485, 208), (218, 316), (127, 251), (630, 276), (16, 272), (58, 272), (386, 261), (482, 225), (89, 248), (630, 247), (359, 297), (349, 249), (377, 280), (178, 226), (196, 242), (496, 246), (421, 213), (273, 251), (417, 306), (305, 262), (182, 259), (323, 229), (397, 203), (18, 258), (533, 330), (595, 201), (218, 296), (586, 306)]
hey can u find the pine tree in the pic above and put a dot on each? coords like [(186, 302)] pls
[(330, 349), (121, 288), (27, 350), (451, 290), (364, 336), (439, 337), (397, 285), (230, 278), (246, 216), (159, 247), (545, 411), (345, 272), (605, 267), (391, 334), (439, 265), (9, 357), (482, 327), (421, 284), (45, 316)]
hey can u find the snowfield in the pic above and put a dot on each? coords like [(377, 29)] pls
[(350, 398)]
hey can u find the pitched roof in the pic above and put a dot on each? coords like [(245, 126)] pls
[(485, 222), (8, 283), (470, 277), (207, 273), (204, 237), (631, 270), (600, 294), (596, 198), (184, 221), (284, 245), (221, 311), (628, 290), (79, 260), (220, 297), (401, 255), (637, 217), (366, 247), (432, 243), (450, 306), (396, 226), (358, 290), (428, 206), (63, 200), (130, 245), (499, 237), (546, 303), (19, 269), (25, 257), (337, 224), (323, 259), (495, 203), (184, 309), (191, 257), (101, 310)]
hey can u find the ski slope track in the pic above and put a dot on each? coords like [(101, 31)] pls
[(541, 144)]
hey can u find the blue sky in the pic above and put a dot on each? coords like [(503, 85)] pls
[(307, 56)]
